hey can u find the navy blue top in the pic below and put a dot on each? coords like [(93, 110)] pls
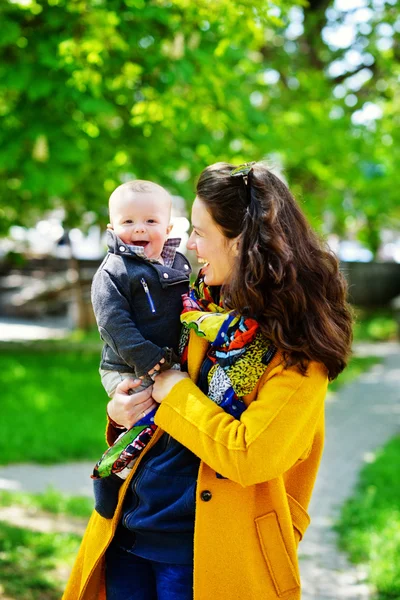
[(159, 509)]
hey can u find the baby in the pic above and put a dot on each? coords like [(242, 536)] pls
[(137, 300)]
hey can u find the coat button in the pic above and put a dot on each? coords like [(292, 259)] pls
[(186, 267), (165, 275), (206, 495), (122, 248)]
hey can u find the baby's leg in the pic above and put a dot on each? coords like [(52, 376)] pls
[(110, 380), (106, 489)]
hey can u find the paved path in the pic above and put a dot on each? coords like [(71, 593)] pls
[(70, 479), (359, 420), (23, 330)]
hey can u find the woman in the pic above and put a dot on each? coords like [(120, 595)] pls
[(233, 473)]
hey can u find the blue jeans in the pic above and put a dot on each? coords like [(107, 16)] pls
[(130, 577)]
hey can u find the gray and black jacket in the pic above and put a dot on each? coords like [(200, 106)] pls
[(137, 303)]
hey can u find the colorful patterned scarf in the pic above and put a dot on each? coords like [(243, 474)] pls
[(238, 353), (237, 357)]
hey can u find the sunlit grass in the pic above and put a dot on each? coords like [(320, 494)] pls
[(50, 501), (369, 527), (34, 565), (53, 406)]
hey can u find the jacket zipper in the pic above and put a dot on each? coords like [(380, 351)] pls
[(147, 292), (176, 282), (140, 476), (166, 284), (128, 514)]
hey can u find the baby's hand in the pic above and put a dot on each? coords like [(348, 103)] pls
[(156, 368)]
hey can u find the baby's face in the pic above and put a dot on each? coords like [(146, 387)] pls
[(141, 219)]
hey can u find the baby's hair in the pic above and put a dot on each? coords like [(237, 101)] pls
[(139, 186), (142, 186)]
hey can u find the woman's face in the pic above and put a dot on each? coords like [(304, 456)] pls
[(217, 252)]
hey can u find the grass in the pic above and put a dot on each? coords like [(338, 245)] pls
[(34, 565), (50, 501), (53, 406), (369, 526)]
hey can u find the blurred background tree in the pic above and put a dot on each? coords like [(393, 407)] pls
[(92, 92)]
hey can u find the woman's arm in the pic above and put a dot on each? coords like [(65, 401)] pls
[(273, 433)]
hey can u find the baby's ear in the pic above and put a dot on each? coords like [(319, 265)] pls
[(110, 227), (169, 228)]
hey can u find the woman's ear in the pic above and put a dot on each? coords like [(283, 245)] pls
[(235, 245)]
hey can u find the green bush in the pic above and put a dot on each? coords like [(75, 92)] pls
[(374, 326)]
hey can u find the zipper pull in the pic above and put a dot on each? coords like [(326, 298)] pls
[(147, 292)]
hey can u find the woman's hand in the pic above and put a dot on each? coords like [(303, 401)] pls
[(127, 409), (164, 382)]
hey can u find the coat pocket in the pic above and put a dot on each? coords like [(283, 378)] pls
[(281, 569)]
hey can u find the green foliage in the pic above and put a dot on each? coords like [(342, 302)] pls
[(376, 326), (32, 564), (369, 526), (50, 501), (53, 406), (92, 92)]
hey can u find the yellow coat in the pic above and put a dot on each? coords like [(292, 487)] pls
[(246, 535)]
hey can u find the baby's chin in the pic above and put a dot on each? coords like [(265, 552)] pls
[(149, 254)]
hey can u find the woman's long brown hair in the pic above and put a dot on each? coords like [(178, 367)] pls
[(284, 277)]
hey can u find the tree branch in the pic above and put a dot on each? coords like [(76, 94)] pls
[(344, 76)]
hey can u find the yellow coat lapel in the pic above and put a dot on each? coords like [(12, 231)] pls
[(196, 352)]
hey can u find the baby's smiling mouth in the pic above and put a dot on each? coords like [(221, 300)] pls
[(142, 243)]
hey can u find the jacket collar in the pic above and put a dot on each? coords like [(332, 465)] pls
[(117, 246)]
